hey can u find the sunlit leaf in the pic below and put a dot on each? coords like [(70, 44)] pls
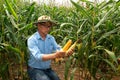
[(27, 27), (11, 9), (11, 48), (104, 17), (11, 18), (112, 55), (79, 30), (80, 8)]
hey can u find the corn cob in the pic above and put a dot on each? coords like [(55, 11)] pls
[(67, 45), (65, 48), (72, 47)]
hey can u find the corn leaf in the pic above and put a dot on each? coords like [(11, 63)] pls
[(11, 18), (30, 12), (105, 35), (63, 24), (112, 65), (112, 55), (80, 8), (28, 26), (79, 30), (104, 18), (67, 67), (11, 48), (11, 9), (72, 74)]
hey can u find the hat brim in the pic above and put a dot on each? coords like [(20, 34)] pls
[(54, 23)]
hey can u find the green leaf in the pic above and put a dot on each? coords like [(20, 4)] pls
[(112, 55), (72, 74), (112, 65), (31, 11), (11, 18), (108, 33), (28, 26), (63, 24), (79, 30), (80, 8), (67, 67), (104, 18), (11, 48), (11, 9)]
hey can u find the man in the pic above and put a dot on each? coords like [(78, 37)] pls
[(43, 48)]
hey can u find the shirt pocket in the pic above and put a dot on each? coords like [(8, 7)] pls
[(51, 49)]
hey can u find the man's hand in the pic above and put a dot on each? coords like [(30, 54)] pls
[(60, 54), (70, 52)]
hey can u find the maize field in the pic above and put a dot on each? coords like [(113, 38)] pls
[(97, 27)]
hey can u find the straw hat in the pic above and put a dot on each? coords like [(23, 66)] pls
[(45, 18)]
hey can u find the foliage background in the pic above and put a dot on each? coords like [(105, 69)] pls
[(96, 25)]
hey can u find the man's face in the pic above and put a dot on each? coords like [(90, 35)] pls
[(44, 27)]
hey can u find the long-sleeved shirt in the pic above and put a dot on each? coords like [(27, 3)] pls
[(38, 47)]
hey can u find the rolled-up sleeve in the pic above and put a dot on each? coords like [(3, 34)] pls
[(34, 50)]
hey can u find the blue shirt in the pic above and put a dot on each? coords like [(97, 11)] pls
[(38, 47)]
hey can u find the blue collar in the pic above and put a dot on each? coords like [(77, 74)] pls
[(39, 36)]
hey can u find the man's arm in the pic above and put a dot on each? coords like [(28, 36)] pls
[(57, 54)]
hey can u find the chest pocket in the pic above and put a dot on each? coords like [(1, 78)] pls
[(51, 48)]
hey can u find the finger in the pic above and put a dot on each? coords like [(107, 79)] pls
[(70, 53)]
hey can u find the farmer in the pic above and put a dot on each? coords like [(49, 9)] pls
[(42, 49)]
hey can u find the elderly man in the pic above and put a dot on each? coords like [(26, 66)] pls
[(42, 49)]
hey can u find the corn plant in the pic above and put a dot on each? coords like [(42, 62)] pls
[(12, 44), (98, 54)]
